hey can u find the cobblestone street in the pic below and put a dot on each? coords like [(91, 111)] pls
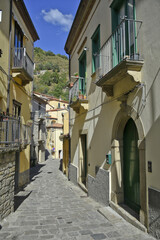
[(51, 207)]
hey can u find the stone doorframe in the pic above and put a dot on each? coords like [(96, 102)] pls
[(117, 192), (80, 160)]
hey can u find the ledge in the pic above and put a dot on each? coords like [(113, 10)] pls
[(78, 104), (127, 70), (128, 217)]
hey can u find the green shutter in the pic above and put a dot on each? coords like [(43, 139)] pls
[(95, 48), (82, 72)]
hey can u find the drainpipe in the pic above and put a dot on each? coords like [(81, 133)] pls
[(69, 124), (9, 59)]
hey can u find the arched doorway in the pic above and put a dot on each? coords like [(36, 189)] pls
[(131, 168), (129, 126)]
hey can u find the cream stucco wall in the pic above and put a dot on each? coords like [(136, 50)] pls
[(105, 114)]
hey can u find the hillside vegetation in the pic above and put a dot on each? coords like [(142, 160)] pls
[(51, 73)]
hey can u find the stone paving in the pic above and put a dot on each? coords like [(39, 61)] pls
[(51, 207)]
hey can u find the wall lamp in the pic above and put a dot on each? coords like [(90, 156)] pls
[(86, 49), (0, 15)]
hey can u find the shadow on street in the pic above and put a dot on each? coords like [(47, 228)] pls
[(18, 199), (34, 171)]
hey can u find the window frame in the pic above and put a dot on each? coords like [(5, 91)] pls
[(95, 47), (82, 79)]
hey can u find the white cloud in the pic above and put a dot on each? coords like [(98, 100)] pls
[(55, 17)]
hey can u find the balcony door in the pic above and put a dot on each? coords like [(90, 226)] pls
[(18, 45), (82, 73), (123, 39)]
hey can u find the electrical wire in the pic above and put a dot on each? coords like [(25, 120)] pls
[(109, 101)]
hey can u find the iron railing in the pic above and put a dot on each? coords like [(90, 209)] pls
[(21, 60), (124, 43), (78, 91), (25, 134), (13, 134), (9, 132)]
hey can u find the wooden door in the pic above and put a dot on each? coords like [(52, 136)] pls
[(131, 175)]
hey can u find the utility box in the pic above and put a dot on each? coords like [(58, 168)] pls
[(109, 158)]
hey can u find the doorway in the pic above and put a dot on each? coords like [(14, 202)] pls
[(131, 172), (83, 159)]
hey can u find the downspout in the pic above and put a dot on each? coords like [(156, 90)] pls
[(69, 124), (9, 59)]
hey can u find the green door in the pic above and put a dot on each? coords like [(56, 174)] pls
[(131, 166), (84, 158), (82, 72)]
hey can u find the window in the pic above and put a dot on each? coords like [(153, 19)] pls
[(95, 49), (18, 39), (123, 14), (59, 105), (18, 44), (39, 106), (122, 9), (16, 108), (82, 72)]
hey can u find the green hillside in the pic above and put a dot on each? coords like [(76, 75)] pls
[(51, 73)]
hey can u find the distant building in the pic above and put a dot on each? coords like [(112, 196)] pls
[(65, 138), (38, 142), (54, 124)]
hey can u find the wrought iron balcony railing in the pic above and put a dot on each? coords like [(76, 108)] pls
[(9, 132), (25, 134), (124, 43), (78, 90), (13, 134), (21, 60)]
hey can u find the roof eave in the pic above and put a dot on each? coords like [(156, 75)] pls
[(26, 18), (81, 16)]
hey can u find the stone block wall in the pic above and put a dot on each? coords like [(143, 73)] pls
[(73, 173), (154, 212), (7, 181), (98, 187)]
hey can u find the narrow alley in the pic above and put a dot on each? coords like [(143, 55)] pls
[(51, 207)]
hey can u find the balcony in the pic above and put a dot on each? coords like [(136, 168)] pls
[(77, 95), (118, 62), (9, 133), (22, 65)]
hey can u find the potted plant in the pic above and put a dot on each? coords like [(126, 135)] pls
[(76, 75), (81, 96)]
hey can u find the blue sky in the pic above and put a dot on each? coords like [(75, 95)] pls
[(52, 20)]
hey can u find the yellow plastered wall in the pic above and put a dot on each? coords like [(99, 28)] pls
[(24, 159), (23, 96), (66, 123), (4, 65), (54, 104)]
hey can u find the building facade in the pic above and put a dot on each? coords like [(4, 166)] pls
[(17, 36), (38, 141), (55, 109), (114, 113), (65, 138)]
